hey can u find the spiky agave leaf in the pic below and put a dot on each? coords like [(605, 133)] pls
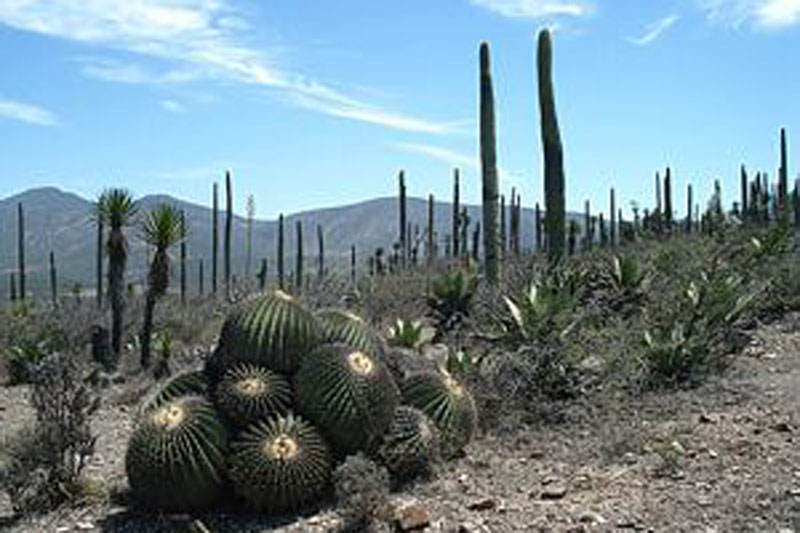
[(340, 325), (411, 445), (280, 464), (349, 394), (448, 403), (176, 455), (248, 393), (273, 330), (185, 383)]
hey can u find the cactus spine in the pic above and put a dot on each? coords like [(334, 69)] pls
[(298, 270), (21, 249), (488, 168), (402, 200), (280, 252), (553, 151), (214, 238), (456, 213), (99, 264), (228, 230)]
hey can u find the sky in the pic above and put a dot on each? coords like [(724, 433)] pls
[(321, 103)]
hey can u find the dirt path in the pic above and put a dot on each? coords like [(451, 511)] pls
[(721, 458)]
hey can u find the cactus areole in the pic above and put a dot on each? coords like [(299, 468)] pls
[(553, 151)]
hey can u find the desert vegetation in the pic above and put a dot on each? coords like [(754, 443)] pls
[(319, 388)]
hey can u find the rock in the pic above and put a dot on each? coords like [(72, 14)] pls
[(782, 427), (554, 491), (412, 517), (591, 363), (485, 504), (707, 419), (84, 526), (677, 447), (591, 517)]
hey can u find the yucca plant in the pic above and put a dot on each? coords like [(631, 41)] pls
[(115, 209), (161, 229), (450, 298)]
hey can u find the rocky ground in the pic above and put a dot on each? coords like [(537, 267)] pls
[(724, 457)]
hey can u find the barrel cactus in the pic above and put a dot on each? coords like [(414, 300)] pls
[(411, 445), (349, 394), (184, 384), (339, 325), (273, 330), (176, 456), (448, 404), (248, 393), (280, 464)]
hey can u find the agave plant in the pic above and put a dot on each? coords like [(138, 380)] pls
[(406, 334), (542, 312), (627, 273), (451, 296)]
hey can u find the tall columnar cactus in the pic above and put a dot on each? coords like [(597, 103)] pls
[(456, 214), (429, 249), (53, 279), (320, 252), (613, 213), (689, 208), (228, 230), (537, 223), (99, 263), (183, 258), (503, 225), (353, 264), (783, 173), (668, 200), (402, 208), (743, 192), (553, 152), (476, 240), (659, 207), (298, 267), (587, 223), (251, 212), (796, 203), (280, 252), (603, 232), (488, 168), (200, 277), (12, 287), (21, 249), (214, 238)]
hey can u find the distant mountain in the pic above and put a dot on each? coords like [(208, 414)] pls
[(60, 221)]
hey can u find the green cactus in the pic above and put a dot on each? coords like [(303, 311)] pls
[(176, 456), (449, 405), (184, 384), (456, 215), (402, 209), (21, 249), (339, 325), (488, 150), (348, 394), (214, 237), (272, 330), (411, 445), (280, 464), (553, 152), (248, 393), (280, 252)]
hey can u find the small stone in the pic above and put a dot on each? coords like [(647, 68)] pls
[(677, 447), (629, 458), (554, 491), (782, 427), (590, 517), (485, 504), (62, 529), (412, 518), (713, 454), (84, 526)]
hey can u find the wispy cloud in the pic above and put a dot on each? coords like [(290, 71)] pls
[(654, 30), (24, 112), (173, 106), (535, 8), (203, 38), (763, 14)]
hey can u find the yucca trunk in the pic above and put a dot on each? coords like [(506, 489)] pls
[(488, 169), (157, 284), (117, 250)]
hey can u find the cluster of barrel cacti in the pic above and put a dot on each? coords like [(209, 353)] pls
[(286, 395)]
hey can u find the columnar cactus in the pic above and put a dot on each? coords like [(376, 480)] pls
[(456, 214), (587, 224), (320, 252), (743, 191), (402, 209), (613, 213), (21, 249), (183, 258), (668, 200), (488, 168), (53, 280), (200, 277), (298, 269), (99, 263), (280, 252), (503, 233), (553, 151), (214, 238), (353, 264), (783, 173), (689, 208), (537, 223), (228, 230), (430, 250)]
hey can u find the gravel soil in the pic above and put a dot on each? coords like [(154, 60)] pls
[(724, 457)]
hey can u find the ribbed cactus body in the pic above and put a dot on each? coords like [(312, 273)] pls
[(248, 393), (176, 456), (411, 445), (339, 325), (488, 152)]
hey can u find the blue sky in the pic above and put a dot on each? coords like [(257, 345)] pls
[(319, 103)]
